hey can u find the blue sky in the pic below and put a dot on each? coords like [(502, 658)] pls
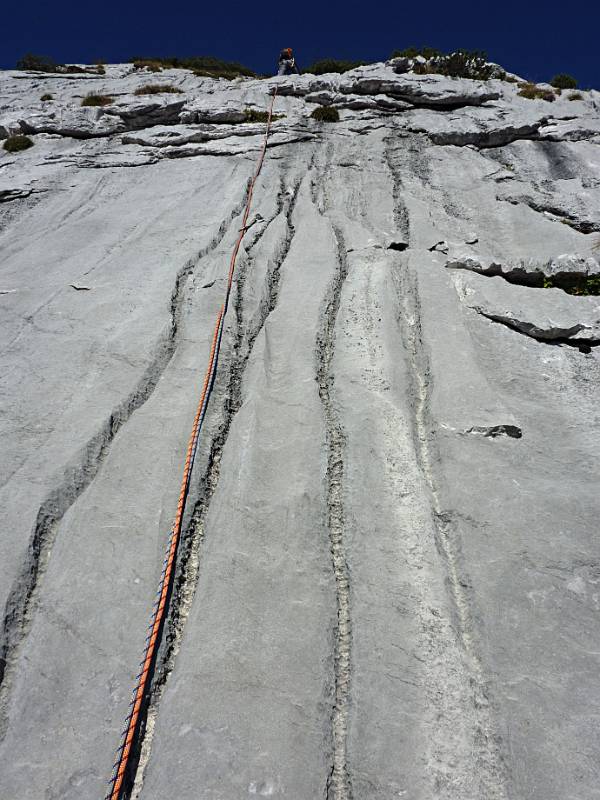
[(532, 38)]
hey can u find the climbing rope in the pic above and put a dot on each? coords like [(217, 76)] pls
[(140, 692)]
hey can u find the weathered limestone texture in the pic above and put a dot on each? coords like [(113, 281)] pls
[(389, 580)]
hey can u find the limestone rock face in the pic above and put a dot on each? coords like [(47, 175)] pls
[(388, 579)]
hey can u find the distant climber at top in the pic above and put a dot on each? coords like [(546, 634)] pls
[(287, 62)]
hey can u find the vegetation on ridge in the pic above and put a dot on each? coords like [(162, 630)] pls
[(532, 91), (47, 64), (94, 99), (158, 88), (325, 65), (563, 81), (203, 66)]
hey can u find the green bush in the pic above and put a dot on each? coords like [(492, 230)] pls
[(575, 96), (158, 88), (46, 97), (203, 66), (326, 114), (94, 99), (533, 92), (563, 81), (413, 52), (37, 63), (463, 64), (459, 64), (325, 65), (14, 144)]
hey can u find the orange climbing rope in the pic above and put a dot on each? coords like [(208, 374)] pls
[(159, 610)]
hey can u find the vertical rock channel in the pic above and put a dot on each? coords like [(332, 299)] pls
[(338, 783)]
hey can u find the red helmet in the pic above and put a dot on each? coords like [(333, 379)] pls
[(288, 50)]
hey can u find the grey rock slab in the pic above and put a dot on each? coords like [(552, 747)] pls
[(564, 268), (434, 90), (260, 723), (481, 127), (379, 456), (108, 547), (547, 314), (50, 451), (462, 398), (79, 123)]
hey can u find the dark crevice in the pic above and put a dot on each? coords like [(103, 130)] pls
[(493, 431), (583, 226), (572, 282), (526, 329)]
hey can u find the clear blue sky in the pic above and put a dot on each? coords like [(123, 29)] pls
[(532, 38)]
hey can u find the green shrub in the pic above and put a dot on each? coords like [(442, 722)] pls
[(94, 99), (326, 114), (14, 144), (563, 81), (463, 64), (203, 66), (413, 52), (37, 63), (533, 92), (459, 64), (158, 88), (325, 65), (46, 97), (575, 96)]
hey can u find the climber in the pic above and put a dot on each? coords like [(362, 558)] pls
[(287, 62)]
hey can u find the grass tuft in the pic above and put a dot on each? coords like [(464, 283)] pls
[(14, 144), (575, 96), (94, 99), (158, 88), (532, 91), (254, 115), (326, 114)]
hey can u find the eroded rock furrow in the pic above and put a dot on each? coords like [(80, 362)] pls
[(187, 572), (338, 784), (486, 742), (78, 475)]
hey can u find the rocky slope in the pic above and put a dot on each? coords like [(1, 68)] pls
[(390, 579)]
